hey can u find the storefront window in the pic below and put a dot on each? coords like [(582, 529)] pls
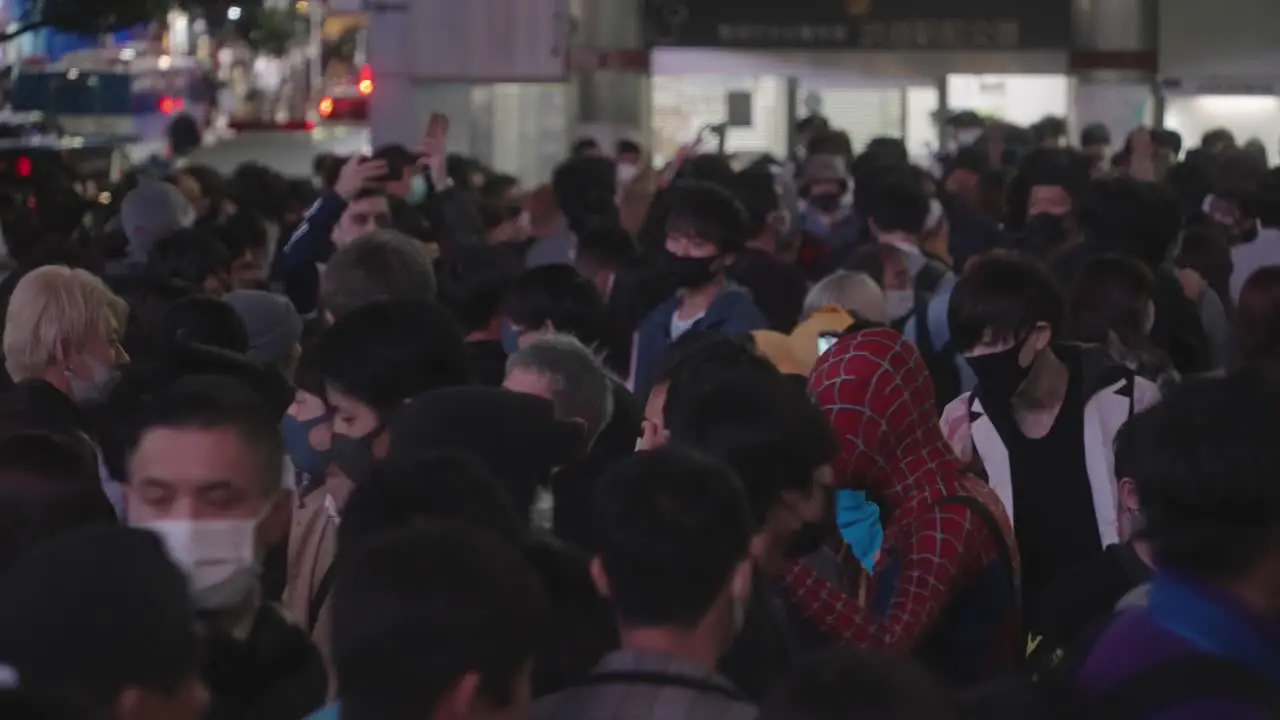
[(1017, 99), (684, 104), (1248, 117)]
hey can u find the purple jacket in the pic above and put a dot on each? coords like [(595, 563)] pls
[(1184, 618)]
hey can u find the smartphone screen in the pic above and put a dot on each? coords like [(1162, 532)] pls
[(825, 342)]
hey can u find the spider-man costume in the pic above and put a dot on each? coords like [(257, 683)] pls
[(944, 585)]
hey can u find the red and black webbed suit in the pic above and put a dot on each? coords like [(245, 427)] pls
[(944, 586)]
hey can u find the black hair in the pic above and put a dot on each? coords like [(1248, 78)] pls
[(413, 488), (761, 424), (696, 350), (1132, 217), (188, 258), (873, 259), (1049, 127), (415, 611), (209, 402), (184, 135), (607, 246), (201, 320), (811, 123), (849, 683), (387, 352), (474, 281), (708, 168), (1066, 169), (627, 147), (890, 149), (1209, 495), (1110, 296), (709, 212), (584, 146), (1006, 296), (496, 213), (758, 191), (497, 186), (243, 233), (585, 187), (213, 186), (48, 486), (562, 296), (672, 526), (1167, 139), (259, 190), (898, 204)]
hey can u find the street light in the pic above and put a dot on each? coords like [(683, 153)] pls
[(234, 12)]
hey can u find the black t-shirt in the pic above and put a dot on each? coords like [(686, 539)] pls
[(1053, 513), (1084, 596), (488, 362)]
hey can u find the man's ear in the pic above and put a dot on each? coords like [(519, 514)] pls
[(599, 578), (1044, 336), (1129, 495)]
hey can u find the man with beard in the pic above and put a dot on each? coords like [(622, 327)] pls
[(927, 553)]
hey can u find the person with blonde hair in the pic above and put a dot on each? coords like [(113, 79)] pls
[(63, 327)]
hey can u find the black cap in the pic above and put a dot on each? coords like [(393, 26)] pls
[(96, 611)]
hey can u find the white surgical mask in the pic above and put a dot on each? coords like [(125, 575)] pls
[(219, 557), (626, 173), (899, 303), (102, 378)]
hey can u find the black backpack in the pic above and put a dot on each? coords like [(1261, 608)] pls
[(941, 360)]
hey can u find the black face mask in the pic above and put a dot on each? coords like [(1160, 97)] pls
[(691, 272), (1044, 233), (354, 456), (826, 202), (999, 374)]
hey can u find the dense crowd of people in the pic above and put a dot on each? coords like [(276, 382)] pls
[(824, 436)]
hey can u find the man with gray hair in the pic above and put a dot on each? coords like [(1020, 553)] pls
[(382, 265), (854, 292), (561, 369)]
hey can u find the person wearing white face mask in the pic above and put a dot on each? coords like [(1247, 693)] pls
[(206, 474)]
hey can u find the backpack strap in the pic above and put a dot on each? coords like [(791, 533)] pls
[(924, 333), (318, 598), (978, 508), (1180, 680)]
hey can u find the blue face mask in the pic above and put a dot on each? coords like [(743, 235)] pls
[(417, 190), (511, 338), (297, 442), (859, 521)]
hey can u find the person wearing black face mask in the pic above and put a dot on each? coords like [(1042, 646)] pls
[(1042, 418), (706, 229), (368, 363)]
